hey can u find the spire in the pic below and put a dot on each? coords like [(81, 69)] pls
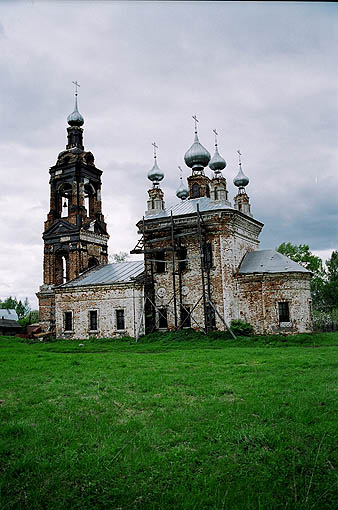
[(182, 192), (241, 180), (75, 121), (241, 200), (75, 118), (217, 163), (197, 157), (155, 175)]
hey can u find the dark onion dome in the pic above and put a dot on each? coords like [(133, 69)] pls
[(197, 156), (241, 180), (155, 174), (217, 163), (75, 118), (182, 192)]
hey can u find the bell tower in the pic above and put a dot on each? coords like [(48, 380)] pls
[(75, 234)]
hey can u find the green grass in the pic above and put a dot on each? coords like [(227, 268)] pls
[(175, 421)]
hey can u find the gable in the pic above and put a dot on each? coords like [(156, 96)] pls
[(60, 227)]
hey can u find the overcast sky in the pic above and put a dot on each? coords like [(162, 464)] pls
[(265, 75)]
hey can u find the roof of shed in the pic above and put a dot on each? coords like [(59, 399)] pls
[(9, 324), (118, 272), (269, 261)]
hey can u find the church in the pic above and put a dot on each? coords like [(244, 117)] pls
[(201, 266)]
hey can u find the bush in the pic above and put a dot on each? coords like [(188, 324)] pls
[(241, 328)]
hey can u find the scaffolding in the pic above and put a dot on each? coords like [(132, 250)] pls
[(171, 243)]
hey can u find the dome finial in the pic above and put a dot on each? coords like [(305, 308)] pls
[(196, 120), (241, 180), (182, 192), (75, 118), (155, 175), (216, 135), (217, 163)]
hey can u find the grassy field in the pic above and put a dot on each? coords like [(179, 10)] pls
[(175, 421)]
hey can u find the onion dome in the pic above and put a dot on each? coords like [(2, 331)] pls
[(197, 156), (182, 192), (155, 175), (217, 163), (241, 180), (75, 118)]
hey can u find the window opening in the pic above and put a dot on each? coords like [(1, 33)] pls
[(185, 317), (196, 193), (162, 318), (86, 204), (207, 191), (160, 262), (64, 269), (93, 320), (119, 319), (68, 321), (284, 314), (207, 251), (182, 258)]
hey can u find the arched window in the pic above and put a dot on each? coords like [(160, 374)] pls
[(207, 191), (92, 262), (61, 268), (196, 192)]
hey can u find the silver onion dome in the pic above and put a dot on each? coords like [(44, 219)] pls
[(182, 192), (75, 118), (197, 156), (217, 163), (155, 175), (241, 180)]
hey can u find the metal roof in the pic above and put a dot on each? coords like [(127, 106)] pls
[(190, 207), (118, 272), (269, 261), (8, 313)]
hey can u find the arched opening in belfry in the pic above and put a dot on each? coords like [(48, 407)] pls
[(92, 262), (64, 199), (61, 268), (89, 197)]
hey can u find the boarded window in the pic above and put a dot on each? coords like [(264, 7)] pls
[(93, 320), (119, 319), (182, 258), (207, 251), (160, 263), (283, 309), (162, 318), (68, 318), (185, 317)]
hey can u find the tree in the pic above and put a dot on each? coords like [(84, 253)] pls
[(21, 308), (302, 255), (330, 290), (122, 256)]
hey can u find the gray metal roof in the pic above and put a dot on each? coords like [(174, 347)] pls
[(190, 207), (8, 313), (269, 261), (118, 272)]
